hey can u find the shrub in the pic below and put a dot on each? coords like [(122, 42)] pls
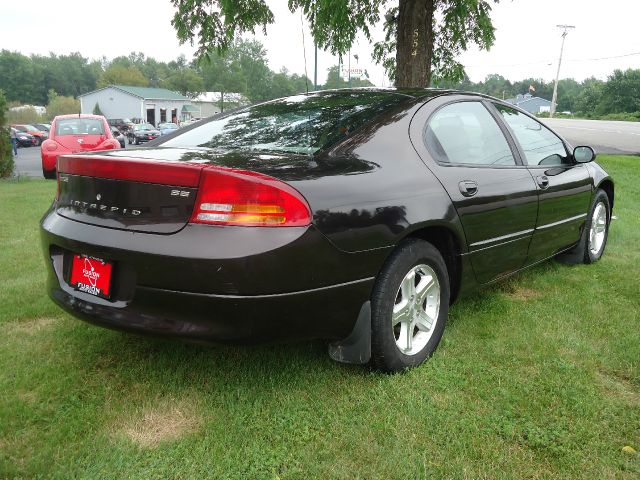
[(6, 155)]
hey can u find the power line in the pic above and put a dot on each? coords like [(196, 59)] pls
[(547, 62)]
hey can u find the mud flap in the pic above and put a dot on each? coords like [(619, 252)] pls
[(356, 348)]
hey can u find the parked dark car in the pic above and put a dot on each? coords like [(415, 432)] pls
[(25, 139), (118, 135), (122, 124), (355, 216), (43, 127), (141, 133)]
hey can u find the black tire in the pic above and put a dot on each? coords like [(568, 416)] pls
[(135, 141), (385, 352), (582, 252), (49, 174), (38, 141)]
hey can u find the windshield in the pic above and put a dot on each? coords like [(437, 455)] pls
[(79, 126), (299, 124), (144, 126)]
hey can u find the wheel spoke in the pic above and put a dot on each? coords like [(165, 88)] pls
[(408, 286), (406, 336), (424, 322), (400, 312), (424, 287)]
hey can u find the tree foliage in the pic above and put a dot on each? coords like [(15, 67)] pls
[(116, 74), (421, 36), (61, 105)]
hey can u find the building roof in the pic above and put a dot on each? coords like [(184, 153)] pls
[(190, 109), (146, 93)]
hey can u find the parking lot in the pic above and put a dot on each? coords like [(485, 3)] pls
[(28, 162)]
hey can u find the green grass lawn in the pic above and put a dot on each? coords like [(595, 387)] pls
[(538, 377)]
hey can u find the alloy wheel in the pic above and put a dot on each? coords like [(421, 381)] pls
[(598, 228), (416, 309)]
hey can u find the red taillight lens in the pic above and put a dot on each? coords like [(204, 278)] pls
[(232, 197)]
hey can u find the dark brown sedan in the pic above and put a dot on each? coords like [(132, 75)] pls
[(355, 216)]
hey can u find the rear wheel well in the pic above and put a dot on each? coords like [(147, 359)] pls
[(445, 241), (607, 186)]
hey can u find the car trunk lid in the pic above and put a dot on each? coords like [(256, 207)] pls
[(126, 193), (80, 143)]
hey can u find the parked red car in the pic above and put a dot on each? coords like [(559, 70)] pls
[(75, 134)]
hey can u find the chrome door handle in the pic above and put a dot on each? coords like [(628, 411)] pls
[(468, 188), (542, 181)]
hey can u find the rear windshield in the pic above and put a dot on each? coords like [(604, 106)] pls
[(299, 124), (80, 126)]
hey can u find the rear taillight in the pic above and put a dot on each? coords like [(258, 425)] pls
[(232, 197)]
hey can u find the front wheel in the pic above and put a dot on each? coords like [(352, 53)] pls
[(49, 174), (597, 228), (409, 307)]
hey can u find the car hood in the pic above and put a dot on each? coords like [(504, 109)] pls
[(288, 167)]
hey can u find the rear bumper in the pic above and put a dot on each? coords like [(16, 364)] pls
[(214, 284)]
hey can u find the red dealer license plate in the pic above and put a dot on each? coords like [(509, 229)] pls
[(91, 275)]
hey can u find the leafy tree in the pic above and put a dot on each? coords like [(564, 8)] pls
[(6, 153), (117, 74), (61, 105), (186, 81), (24, 115), (621, 92), (422, 37), (589, 99), (96, 109)]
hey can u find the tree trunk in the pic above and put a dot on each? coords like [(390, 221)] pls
[(414, 43)]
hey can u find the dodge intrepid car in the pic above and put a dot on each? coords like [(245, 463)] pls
[(355, 216)]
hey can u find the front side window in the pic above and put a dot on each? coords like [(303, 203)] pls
[(465, 133), (539, 144)]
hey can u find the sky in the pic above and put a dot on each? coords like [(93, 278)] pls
[(527, 40)]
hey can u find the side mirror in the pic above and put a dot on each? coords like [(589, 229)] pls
[(584, 154)]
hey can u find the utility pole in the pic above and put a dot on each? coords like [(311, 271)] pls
[(315, 68), (565, 31)]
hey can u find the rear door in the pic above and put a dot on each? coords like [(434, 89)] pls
[(564, 187), (461, 141)]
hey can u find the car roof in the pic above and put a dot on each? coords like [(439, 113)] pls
[(79, 115)]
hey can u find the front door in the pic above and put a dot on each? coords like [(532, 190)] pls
[(493, 193), (564, 187)]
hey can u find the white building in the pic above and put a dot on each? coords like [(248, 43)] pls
[(153, 105), (209, 103)]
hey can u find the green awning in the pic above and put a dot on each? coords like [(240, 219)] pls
[(190, 109)]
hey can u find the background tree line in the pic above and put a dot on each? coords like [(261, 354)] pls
[(619, 95), (243, 69), (56, 80)]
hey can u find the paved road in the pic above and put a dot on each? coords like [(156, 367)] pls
[(605, 136), (28, 162)]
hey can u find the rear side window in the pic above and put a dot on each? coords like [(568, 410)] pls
[(539, 144), (465, 133), (300, 124)]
